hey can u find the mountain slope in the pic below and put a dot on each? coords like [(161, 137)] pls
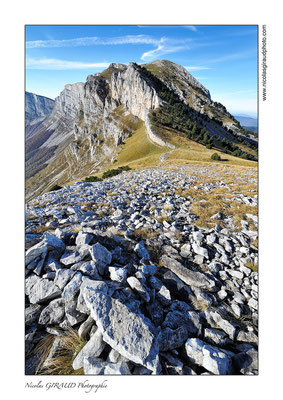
[(36, 109), (90, 121), (246, 120)]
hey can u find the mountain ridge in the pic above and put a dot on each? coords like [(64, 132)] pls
[(37, 108), (91, 120)]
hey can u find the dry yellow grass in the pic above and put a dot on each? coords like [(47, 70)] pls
[(144, 233), (252, 266), (206, 204), (61, 363), (41, 229), (139, 151), (162, 218), (76, 229)]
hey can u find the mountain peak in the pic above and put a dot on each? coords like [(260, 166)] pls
[(177, 76)]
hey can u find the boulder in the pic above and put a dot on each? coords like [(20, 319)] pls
[(202, 251), (176, 286), (94, 366), (133, 336), (141, 250), (93, 348), (215, 320), (83, 238), (101, 256), (71, 257), (71, 289), (247, 362), (53, 313), (73, 316), (191, 278), (32, 314), (118, 274), (40, 290), (213, 359), (63, 276), (37, 251), (170, 339), (85, 327), (89, 284), (139, 288)]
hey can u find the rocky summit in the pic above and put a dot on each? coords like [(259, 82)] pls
[(123, 276)]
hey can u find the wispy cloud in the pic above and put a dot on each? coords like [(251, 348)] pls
[(196, 68), (92, 41), (164, 45), (160, 50), (55, 64), (191, 27), (233, 56)]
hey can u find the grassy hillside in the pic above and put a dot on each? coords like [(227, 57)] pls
[(138, 151)]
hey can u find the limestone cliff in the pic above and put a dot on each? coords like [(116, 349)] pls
[(36, 109)]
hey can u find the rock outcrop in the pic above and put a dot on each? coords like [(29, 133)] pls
[(37, 106), (36, 109), (148, 296)]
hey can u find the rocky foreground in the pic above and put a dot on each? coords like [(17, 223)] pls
[(124, 264)]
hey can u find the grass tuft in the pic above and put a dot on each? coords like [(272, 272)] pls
[(61, 363)]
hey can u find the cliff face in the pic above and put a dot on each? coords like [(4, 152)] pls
[(36, 109), (37, 106), (132, 89), (88, 122)]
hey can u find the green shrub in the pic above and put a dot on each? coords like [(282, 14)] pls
[(55, 187), (92, 179), (113, 172), (216, 157)]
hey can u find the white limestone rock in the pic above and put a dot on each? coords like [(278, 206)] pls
[(130, 334)]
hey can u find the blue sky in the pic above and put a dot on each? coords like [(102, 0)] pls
[(223, 58)]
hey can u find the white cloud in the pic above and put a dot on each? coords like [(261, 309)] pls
[(160, 50), (191, 27), (197, 68), (92, 41), (55, 64)]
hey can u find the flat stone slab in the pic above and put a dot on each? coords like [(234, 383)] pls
[(95, 366), (40, 290), (89, 284), (129, 333), (212, 358), (191, 278), (72, 287), (215, 320)]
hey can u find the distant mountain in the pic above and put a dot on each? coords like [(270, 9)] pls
[(90, 122), (246, 121), (36, 109)]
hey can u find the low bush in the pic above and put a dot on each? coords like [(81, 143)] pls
[(215, 157), (113, 172), (55, 187), (92, 179)]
